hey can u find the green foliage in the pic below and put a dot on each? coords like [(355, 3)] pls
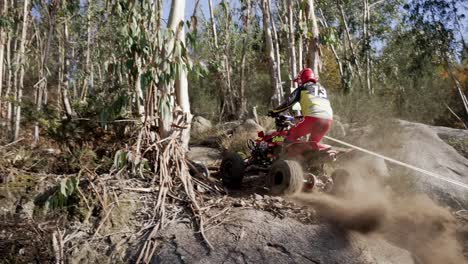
[(120, 159), (360, 108), (127, 159), (5, 22), (413, 46), (329, 36), (61, 197), (460, 144)]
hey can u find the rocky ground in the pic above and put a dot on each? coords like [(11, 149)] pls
[(249, 226), (253, 236)]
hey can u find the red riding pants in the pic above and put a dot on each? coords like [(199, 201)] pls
[(316, 127)]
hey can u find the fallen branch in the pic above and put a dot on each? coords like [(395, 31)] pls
[(102, 222), (11, 143), (145, 190), (456, 116)]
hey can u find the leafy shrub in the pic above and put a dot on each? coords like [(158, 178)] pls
[(360, 108), (62, 195)]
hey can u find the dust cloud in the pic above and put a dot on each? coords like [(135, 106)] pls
[(411, 221)]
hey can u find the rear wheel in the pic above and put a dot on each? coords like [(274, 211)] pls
[(285, 177), (232, 170)]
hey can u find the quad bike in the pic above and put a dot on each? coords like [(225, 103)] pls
[(289, 167)]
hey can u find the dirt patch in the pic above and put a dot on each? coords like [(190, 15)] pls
[(24, 241)]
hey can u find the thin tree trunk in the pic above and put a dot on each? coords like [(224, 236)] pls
[(21, 61), (277, 51), (181, 84), (230, 94), (335, 54), (366, 45), (242, 109), (9, 72), (65, 88), (74, 89), (215, 42), (140, 104), (213, 25), (228, 106), (60, 70), (300, 44), (41, 86), (292, 45), (87, 81), (270, 53), (41, 79), (14, 93), (313, 53), (156, 13), (2, 49), (354, 58)]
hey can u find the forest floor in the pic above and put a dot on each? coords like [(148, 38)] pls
[(244, 226)]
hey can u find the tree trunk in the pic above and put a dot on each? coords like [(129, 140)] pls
[(354, 58), (229, 110), (213, 25), (313, 53), (2, 49), (21, 61), (65, 87), (181, 84), (9, 71), (276, 100), (300, 44), (88, 79), (139, 97), (335, 54), (277, 53), (242, 109), (41, 85), (41, 79), (291, 45), (215, 44), (366, 44)]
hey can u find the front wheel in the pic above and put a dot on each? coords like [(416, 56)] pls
[(232, 170), (285, 177)]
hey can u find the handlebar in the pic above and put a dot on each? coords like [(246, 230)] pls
[(283, 122)]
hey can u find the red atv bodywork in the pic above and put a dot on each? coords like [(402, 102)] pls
[(310, 154), (296, 150)]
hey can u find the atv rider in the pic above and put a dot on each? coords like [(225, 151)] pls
[(316, 108)]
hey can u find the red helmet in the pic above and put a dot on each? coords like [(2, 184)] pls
[(306, 75)]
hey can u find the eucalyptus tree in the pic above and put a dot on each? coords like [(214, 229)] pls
[(9, 29), (64, 75), (270, 52), (313, 49), (88, 79), (291, 40), (3, 38), (242, 106), (276, 48), (20, 64), (176, 24)]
